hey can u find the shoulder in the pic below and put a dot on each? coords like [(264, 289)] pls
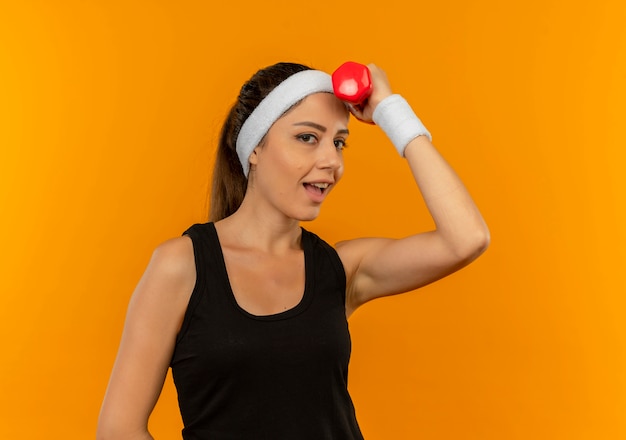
[(172, 265), (174, 255), (167, 283), (352, 252), (359, 256)]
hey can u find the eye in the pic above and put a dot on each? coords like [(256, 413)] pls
[(307, 138), (340, 144)]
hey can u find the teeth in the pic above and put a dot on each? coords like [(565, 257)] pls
[(320, 185)]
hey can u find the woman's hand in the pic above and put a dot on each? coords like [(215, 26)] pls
[(380, 90)]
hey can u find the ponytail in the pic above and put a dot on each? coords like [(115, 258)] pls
[(229, 182)]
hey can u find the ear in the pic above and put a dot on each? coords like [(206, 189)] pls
[(254, 156)]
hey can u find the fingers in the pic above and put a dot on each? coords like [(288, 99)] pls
[(380, 89), (380, 85), (358, 112)]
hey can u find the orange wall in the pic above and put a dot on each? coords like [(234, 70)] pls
[(108, 116)]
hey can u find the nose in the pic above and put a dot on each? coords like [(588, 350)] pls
[(330, 157)]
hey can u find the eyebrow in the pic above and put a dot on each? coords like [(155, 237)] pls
[(320, 127)]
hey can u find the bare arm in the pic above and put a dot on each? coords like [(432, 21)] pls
[(379, 267), (153, 319)]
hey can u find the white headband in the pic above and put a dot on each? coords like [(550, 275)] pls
[(295, 88)]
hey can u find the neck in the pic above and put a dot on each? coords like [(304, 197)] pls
[(264, 229)]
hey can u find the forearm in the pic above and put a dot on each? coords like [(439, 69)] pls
[(381, 267), (457, 219)]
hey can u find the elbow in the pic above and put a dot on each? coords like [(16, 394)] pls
[(102, 433), (473, 244), (102, 430), (108, 430), (482, 241)]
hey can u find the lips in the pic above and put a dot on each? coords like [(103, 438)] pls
[(317, 190), (318, 187)]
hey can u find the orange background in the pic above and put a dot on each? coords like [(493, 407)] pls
[(109, 112)]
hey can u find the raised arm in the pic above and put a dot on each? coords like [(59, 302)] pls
[(153, 319), (378, 267)]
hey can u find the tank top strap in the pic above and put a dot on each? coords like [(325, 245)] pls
[(204, 239), (324, 251)]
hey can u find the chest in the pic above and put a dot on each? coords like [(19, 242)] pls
[(265, 285), (265, 317)]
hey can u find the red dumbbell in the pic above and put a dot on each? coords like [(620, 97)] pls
[(352, 82)]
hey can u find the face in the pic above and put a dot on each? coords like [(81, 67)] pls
[(300, 160)]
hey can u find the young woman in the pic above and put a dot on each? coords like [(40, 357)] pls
[(250, 310)]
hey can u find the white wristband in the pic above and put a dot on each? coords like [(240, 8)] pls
[(397, 119)]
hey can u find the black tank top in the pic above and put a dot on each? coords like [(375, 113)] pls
[(279, 377)]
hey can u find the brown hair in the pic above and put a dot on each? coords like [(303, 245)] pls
[(229, 182)]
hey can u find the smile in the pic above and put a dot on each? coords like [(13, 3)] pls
[(320, 188)]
